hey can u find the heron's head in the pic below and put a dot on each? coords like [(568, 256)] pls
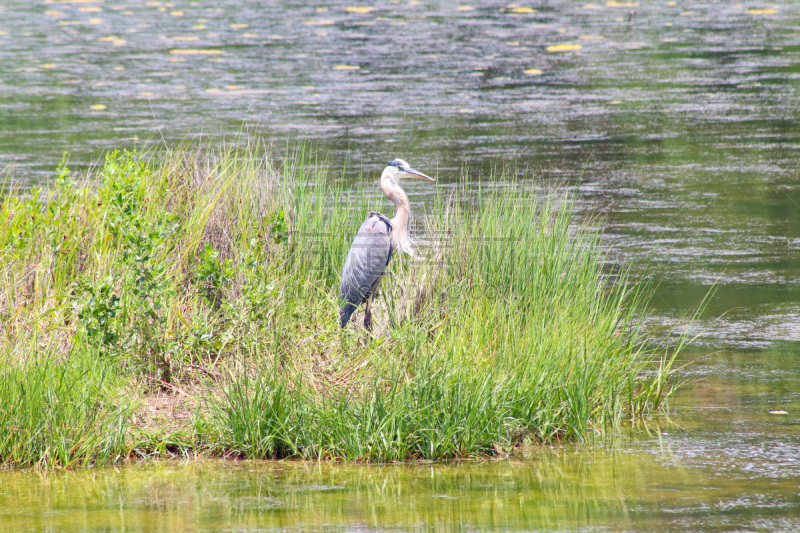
[(398, 168)]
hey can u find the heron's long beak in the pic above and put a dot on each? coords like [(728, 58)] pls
[(418, 174)]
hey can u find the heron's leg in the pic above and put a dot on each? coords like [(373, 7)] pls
[(368, 317)]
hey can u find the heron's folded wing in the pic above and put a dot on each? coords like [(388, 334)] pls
[(367, 259)]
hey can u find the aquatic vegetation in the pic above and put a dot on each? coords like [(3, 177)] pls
[(62, 413), (214, 276)]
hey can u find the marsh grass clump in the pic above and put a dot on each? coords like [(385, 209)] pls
[(507, 331), (61, 413), (213, 276)]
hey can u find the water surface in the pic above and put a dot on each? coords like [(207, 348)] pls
[(555, 489)]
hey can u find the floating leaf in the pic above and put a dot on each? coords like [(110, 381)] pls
[(185, 38), (359, 9), (466, 8), (98, 107), (194, 51), (591, 6), (768, 11), (591, 37), (318, 22), (533, 71), (176, 13), (563, 47), (199, 26), (612, 3), (346, 67), (53, 13), (48, 65), (778, 412), (238, 26), (524, 10)]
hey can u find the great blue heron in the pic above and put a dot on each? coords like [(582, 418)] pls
[(376, 241)]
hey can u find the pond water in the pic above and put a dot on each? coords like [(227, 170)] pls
[(678, 119), (557, 489)]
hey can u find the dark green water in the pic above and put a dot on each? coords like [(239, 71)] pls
[(679, 119)]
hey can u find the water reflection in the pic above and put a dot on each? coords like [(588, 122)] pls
[(561, 489)]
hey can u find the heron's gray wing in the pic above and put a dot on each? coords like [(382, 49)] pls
[(366, 261)]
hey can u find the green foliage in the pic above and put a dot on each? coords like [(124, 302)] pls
[(507, 332), (98, 311), (60, 414), (213, 273), (278, 227), (214, 270)]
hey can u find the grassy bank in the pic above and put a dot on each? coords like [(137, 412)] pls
[(191, 305)]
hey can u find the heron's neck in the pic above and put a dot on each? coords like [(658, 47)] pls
[(400, 234)]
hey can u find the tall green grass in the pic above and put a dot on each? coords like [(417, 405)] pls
[(214, 275), (505, 331), (61, 414)]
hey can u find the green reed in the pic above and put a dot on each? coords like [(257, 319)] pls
[(213, 276), (61, 414)]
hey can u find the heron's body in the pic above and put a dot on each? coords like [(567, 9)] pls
[(377, 239), (366, 262)]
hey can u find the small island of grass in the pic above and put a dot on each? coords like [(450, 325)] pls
[(188, 303)]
